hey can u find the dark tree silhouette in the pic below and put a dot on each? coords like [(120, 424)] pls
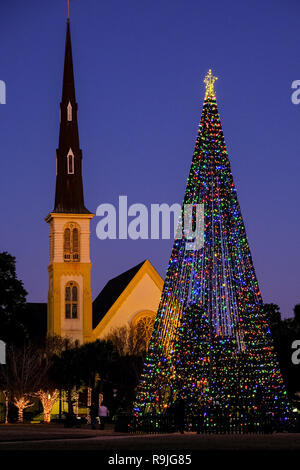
[(94, 363), (127, 367), (284, 333), (64, 372), (272, 312), (297, 316), (12, 301)]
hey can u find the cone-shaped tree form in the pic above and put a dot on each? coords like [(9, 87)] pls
[(211, 342)]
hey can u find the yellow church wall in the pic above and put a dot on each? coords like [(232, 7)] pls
[(145, 296), (61, 272), (58, 223)]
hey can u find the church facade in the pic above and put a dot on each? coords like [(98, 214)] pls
[(131, 298)]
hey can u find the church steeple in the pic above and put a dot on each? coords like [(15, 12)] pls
[(69, 188), (69, 295)]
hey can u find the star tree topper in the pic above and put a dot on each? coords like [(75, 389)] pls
[(209, 81)]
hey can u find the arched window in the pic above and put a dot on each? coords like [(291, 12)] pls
[(144, 327), (71, 243), (71, 300), (69, 112), (143, 324), (70, 162), (67, 244), (75, 244)]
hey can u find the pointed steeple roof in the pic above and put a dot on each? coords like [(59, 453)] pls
[(68, 80), (69, 187)]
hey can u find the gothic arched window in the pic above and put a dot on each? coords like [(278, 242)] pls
[(69, 112), (67, 244), (71, 243), (71, 300), (75, 244), (70, 162)]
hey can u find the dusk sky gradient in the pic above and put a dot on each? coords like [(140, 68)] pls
[(139, 69)]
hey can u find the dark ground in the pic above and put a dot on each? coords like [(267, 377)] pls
[(56, 437), (54, 446)]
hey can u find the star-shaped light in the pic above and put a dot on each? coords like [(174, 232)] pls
[(209, 81)]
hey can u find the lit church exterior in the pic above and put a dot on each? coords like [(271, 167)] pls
[(131, 298)]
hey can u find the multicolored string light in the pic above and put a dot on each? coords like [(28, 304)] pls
[(211, 342)]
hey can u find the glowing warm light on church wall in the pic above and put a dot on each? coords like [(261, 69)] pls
[(140, 298)]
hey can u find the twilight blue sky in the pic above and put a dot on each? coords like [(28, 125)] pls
[(139, 69)]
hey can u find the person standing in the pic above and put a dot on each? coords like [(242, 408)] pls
[(93, 414), (103, 415), (180, 415)]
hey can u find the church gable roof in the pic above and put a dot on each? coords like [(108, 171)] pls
[(117, 291), (111, 292)]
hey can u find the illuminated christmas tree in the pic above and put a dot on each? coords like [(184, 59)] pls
[(211, 342)]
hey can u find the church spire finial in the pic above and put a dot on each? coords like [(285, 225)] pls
[(69, 10), (209, 81)]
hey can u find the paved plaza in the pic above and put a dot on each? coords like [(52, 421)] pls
[(55, 437)]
